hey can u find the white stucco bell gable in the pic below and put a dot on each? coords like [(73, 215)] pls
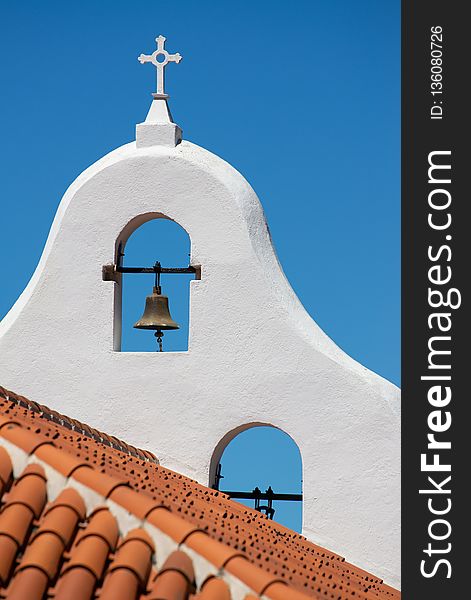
[(255, 356)]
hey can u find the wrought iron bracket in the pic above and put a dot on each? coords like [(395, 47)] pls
[(269, 495), (110, 272), (257, 495), (253, 495)]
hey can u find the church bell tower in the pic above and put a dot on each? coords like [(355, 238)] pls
[(64, 349)]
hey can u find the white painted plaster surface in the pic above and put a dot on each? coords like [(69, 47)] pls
[(56, 347), (158, 128)]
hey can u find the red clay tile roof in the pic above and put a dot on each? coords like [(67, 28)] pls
[(83, 515)]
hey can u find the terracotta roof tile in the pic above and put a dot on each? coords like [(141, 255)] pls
[(254, 577), (44, 552), (179, 561), (129, 571), (8, 550), (6, 469), (280, 591), (214, 589), (30, 583), (138, 504), (170, 585), (60, 550), (92, 554), (121, 584), (76, 584), (24, 439), (62, 462), (15, 521), (61, 519), (29, 490), (71, 499), (173, 525), (102, 526), (135, 555), (99, 482), (216, 552), (4, 420), (175, 580)]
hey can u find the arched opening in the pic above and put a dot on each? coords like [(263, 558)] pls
[(261, 457), (145, 240)]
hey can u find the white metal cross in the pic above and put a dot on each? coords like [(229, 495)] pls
[(165, 58)]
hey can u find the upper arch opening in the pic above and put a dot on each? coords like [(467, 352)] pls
[(148, 238)]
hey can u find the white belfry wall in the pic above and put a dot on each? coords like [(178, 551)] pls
[(255, 355)]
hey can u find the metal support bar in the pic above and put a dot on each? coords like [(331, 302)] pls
[(264, 496), (154, 270), (109, 271), (257, 495)]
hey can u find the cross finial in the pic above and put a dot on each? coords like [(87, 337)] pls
[(160, 64)]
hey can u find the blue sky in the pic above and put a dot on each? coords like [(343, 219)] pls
[(302, 98)]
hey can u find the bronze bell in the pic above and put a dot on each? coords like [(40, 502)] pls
[(156, 313)]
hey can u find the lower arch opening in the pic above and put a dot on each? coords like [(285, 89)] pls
[(259, 458)]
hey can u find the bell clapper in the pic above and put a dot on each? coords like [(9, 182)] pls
[(159, 335)]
